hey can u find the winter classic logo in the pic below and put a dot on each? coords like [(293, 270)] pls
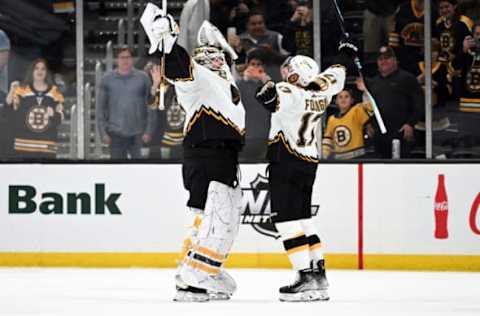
[(256, 207)]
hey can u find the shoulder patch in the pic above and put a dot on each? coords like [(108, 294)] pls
[(284, 88)]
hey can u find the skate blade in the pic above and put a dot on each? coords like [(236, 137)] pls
[(307, 296), (185, 296), (218, 296)]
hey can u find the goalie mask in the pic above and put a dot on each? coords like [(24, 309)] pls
[(210, 57), (301, 70)]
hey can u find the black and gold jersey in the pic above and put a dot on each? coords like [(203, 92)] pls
[(408, 36), (174, 122), (36, 117), (468, 64), (451, 35), (343, 136), (441, 83)]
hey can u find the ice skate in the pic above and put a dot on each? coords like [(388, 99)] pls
[(305, 289), (320, 274), (229, 284), (191, 294), (196, 286)]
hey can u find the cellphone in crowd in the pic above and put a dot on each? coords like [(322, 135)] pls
[(231, 31)]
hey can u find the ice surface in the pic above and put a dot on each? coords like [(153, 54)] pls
[(118, 292)]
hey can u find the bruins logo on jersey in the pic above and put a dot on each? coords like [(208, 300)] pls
[(412, 34), (343, 135), (37, 119), (284, 89), (447, 42), (175, 115), (473, 79)]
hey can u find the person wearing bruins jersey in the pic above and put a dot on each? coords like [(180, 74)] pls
[(468, 64), (297, 107), (451, 28), (37, 112), (343, 138), (407, 38), (213, 136)]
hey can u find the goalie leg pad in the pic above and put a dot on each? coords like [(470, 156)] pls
[(202, 267)]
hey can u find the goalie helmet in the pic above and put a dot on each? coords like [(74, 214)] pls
[(301, 70), (209, 56)]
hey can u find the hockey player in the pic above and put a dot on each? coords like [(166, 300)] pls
[(297, 107), (214, 132)]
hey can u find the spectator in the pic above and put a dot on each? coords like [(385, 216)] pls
[(168, 136), (36, 111), (400, 100), (468, 63), (255, 115), (298, 38), (343, 138), (4, 54), (123, 117), (441, 94), (239, 15), (451, 29), (442, 88), (407, 39), (258, 36), (220, 13), (378, 23)]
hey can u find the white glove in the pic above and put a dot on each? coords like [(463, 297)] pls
[(165, 32), (161, 29)]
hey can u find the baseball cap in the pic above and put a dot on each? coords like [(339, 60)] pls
[(386, 51)]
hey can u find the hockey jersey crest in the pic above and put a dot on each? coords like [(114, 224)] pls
[(344, 132), (35, 129)]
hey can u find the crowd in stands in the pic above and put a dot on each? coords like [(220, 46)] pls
[(265, 33)]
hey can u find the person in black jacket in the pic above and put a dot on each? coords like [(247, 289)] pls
[(399, 97)]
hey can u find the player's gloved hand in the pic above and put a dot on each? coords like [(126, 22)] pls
[(165, 30), (267, 94), (348, 48)]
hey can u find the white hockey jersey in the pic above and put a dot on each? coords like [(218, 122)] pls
[(293, 131), (211, 93), (211, 100)]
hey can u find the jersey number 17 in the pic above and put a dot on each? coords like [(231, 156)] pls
[(306, 132)]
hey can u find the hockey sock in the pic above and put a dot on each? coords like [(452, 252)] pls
[(296, 244), (314, 243)]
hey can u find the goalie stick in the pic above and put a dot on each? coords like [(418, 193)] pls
[(376, 112)]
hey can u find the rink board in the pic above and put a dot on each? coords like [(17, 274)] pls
[(374, 216)]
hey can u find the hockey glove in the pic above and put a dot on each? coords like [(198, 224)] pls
[(165, 31), (348, 48), (267, 95)]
